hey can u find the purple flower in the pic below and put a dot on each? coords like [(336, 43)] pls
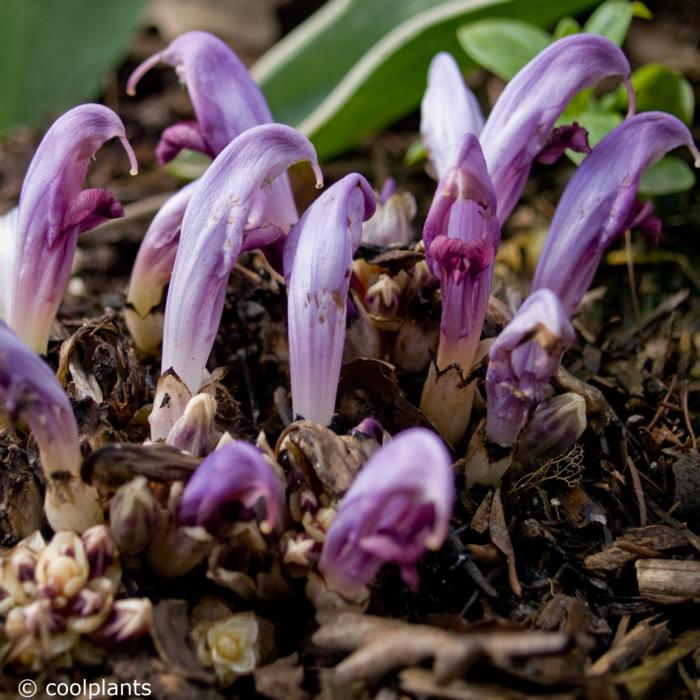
[(226, 101), (448, 111), (317, 264), (227, 486), (461, 235), (152, 269), (30, 392), (223, 219), (398, 506), (600, 203), (53, 210), (520, 127), (522, 360)]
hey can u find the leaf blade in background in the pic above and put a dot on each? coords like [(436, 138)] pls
[(346, 89), (502, 46), (612, 20), (54, 55), (669, 176)]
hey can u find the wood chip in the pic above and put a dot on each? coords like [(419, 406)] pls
[(668, 580)]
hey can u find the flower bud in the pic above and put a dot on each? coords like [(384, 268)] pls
[(554, 428), (134, 514), (391, 222), (128, 619), (194, 430), (62, 568), (383, 298)]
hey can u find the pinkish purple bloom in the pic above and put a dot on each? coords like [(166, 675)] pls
[(224, 218), (398, 506), (461, 235), (520, 126), (600, 203), (318, 264), (53, 210), (522, 360), (448, 111), (226, 101), (227, 486)]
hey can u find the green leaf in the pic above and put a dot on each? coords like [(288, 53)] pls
[(415, 153), (56, 53), (566, 27), (612, 19), (639, 9), (358, 65), (187, 165), (502, 46), (669, 176), (660, 88)]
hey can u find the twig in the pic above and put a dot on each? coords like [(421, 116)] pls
[(662, 405), (637, 483), (686, 416)]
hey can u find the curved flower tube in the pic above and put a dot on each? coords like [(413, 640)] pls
[(236, 474), (317, 265), (53, 210), (226, 101), (398, 506), (600, 203), (30, 392), (221, 221), (448, 111), (152, 269), (461, 235), (522, 360), (520, 125)]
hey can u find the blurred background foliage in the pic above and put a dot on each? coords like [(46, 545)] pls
[(350, 69)]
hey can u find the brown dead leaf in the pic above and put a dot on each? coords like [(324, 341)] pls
[(498, 530), (282, 679)]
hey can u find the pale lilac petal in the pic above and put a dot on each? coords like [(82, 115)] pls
[(522, 360), (227, 486), (226, 101), (448, 111), (317, 264), (398, 506), (52, 212), (213, 234), (599, 202), (156, 256), (178, 137), (521, 122)]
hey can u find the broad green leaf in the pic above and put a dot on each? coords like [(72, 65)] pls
[(612, 19), (358, 65), (55, 54), (668, 176), (502, 46), (566, 27), (659, 88)]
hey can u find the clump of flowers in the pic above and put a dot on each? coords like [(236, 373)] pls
[(56, 595)]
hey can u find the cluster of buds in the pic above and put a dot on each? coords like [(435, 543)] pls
[(54, 595)]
